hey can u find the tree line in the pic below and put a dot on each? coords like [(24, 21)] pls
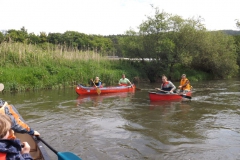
[(172, 43)]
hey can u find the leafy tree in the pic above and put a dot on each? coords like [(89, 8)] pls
[(216, 55), (55, 38), (17, 36), (1, 37), (237, 42), (170, 40), (238, 24), (43, 37), (165, 39), (33, 39)]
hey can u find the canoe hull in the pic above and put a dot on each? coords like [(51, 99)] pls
[(37, 150), (153, 96), (82, 90)]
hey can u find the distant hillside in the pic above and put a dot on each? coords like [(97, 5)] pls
[(231, 32)]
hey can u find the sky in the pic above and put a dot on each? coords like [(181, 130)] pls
[(110, 17)]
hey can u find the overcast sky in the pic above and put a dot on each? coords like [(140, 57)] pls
[(107, 17)]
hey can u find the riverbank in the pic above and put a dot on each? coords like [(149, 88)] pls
[(25, 67)]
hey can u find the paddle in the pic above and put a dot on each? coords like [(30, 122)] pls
[(162, 90), (1, 87), (98, 89), (184, 96), (138, 89), (61, 155)]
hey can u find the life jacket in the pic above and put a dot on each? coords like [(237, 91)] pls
[(3, 156), (97, 82), (164, 86), (183, 82)]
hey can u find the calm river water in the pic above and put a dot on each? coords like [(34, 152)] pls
[(128, 126)]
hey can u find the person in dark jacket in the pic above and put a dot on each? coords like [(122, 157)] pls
[(11, 149)]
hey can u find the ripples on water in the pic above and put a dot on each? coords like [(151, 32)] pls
[(129, 126)]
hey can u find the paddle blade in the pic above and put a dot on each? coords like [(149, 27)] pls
[(184, 96), (1, 87), (67, 156), (98, 91), (138, 89)]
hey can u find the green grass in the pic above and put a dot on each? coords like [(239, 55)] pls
[(30, 67)]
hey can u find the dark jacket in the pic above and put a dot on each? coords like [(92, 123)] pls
[(13, 150)]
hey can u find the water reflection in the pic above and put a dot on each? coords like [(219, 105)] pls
[(97, 100)]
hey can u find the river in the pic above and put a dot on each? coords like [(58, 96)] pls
[(129, 126)]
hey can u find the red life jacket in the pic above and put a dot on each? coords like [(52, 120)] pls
[(166, 83)]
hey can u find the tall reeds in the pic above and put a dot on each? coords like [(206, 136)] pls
[(29, 66)]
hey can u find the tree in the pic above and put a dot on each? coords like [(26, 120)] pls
[(33, 39), (216, 54), (43, 37), (165, 39), (17, 36), (170, 40), (238, 24), (55, 38), (1, 37)]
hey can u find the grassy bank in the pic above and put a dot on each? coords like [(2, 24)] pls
[(29, 67)]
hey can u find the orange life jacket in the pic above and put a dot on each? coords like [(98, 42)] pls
[(183, 82)]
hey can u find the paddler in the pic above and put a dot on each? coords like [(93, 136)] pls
[(184, 84), (166, 86), (124, 81)]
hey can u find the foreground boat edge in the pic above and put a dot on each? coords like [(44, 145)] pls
[(38, 152)]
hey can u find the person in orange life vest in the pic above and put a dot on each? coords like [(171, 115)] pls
[(184, 84), (11, 148), (18, 124), (97, 82), (166, 85)]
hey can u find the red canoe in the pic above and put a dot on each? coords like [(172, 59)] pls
[(154, 96), (82, 90)]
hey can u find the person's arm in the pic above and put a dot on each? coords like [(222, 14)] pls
[(173, 87), (18, 124), (129, 82), (99, 84), (119, 82), (187, 82), (161, 87), (181, 87), (27, 156)]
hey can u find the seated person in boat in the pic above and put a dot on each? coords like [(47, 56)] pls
[(184, 84), (18, 124), (11, 148), (166, 86), (97, 82), (124, 81)]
